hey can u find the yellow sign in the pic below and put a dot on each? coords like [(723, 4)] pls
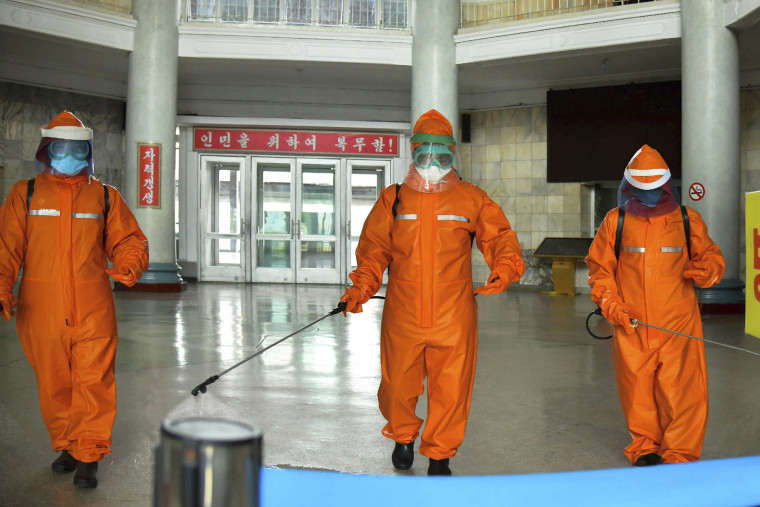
[(752, 309)]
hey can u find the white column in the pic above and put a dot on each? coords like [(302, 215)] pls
[(151, 119), (435, 74), (710, 132)]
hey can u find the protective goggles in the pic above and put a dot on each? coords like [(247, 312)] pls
[(428, 154), (61, 149)]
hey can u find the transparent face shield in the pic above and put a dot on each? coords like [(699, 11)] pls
[(648, 203), (432, 167), (64, 156)]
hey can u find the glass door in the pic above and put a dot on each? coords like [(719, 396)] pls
[(223, 218), (275, 236), (316, 222), (366, 181), (296, 234)]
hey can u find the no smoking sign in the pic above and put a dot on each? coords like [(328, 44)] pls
[(696, 191)]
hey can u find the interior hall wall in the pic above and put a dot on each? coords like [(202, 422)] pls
[(507, 158), (26, 109)]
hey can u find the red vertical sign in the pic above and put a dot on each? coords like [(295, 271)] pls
[(149, 175)]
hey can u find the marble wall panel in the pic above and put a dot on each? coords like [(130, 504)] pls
[(24, 110)]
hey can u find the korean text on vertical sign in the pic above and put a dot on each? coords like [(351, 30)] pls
[(148, 175), (752, 292)]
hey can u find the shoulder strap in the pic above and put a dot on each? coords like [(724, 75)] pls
[(686, 229), (107, 201), (29, 193), (395, 203), (619, 233)]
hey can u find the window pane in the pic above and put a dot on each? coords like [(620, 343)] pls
[(234, 10), (362, 12), (266, 11), (227, 209), (226, 251), (202, 10), (274, 199), (273, 253), (331, 12), (298, 11), (318, 201), (365, 190), (394, 13), (318, 254)]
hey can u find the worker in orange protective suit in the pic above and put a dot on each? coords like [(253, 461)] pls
[(422, 231), (63, 226), (664, 251)]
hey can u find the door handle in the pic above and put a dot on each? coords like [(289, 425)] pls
[(292, 228), (298, 227)]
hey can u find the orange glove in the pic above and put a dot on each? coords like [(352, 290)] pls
[(354, 297), (7, 304), (498, 281), (125, 274), (703, 273), (618, 313)]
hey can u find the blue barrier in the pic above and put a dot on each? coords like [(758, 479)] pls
[(715, 483)]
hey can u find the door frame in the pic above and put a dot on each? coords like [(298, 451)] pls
[(311, 275), (248, 163), (386, 165), (213, 271), (266, 274)]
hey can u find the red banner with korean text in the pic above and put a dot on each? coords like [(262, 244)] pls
[(149, 175), (295, 141)]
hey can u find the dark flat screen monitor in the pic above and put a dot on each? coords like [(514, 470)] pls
[(592, 133)]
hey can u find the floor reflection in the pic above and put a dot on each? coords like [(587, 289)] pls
[(544, 398)]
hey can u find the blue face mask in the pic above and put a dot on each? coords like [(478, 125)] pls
[(69, 165), (648, 198), (69, 157)]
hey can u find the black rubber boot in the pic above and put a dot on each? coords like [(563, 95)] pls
[(65, 463), (648, 460), (87, 475), (403, 456), (439, 467)]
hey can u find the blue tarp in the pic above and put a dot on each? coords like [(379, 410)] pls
[(713, 483)]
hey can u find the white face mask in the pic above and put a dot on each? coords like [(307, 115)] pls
[(433, 174)]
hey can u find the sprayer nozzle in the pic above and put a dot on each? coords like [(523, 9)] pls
[(341, 307), (202, 387)]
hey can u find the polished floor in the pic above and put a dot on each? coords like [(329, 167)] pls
[(544, 397)]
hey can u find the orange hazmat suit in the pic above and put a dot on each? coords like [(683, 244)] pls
[(429, 324), (661, 377), (65, 311)]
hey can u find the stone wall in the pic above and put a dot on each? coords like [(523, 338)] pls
[(507, 159), (26, 109)]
